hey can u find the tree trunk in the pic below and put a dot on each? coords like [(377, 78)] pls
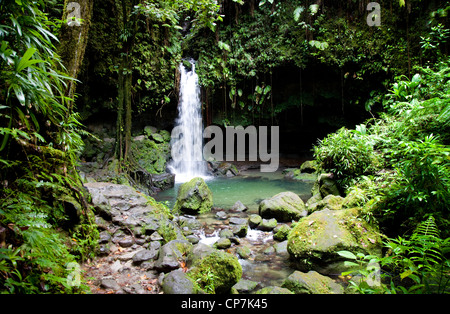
[(74, 38)]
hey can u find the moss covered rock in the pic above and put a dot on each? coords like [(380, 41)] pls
[(219, 269), (194, 197), (284, 206), (315, 240), (311, 283)]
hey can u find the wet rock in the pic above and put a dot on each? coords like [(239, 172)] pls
[(267, 224), (285, 206), (221, 215), (238, 221), (177, 282), (171, 254), (194, 197), (239, 207), (145, 255), (223, 243), (311, 283), (240, 230), (327, 185), (104, 237), (126, 241), (315, 240), (226, 233), (309, 166), (244, 252), (274, 290), (281, 232), (110, 284), (245, 286), (254, 220), (225, 267)]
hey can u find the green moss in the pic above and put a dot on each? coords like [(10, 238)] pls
[(194, 197), (219, 269)]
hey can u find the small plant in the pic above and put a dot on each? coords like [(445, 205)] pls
[(347, 154), (206, 280)]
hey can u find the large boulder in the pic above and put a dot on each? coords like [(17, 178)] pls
[(219, 269), (315, 240), (178, 282), (172, 255), (194, 197), (285, 207), (311, 283)]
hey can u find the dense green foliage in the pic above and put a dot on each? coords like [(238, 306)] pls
[(404, 184), (40, 190)]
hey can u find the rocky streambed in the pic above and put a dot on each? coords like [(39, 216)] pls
[(287, 246)]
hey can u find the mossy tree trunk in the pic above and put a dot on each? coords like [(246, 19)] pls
[(125, 78), (73, 38)]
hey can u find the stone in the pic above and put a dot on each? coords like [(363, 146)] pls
[(245, 286), (281, 232), (244, 252), (145, 255), (171, 254), (238, 221), (104, 237), (311, 283), (315, 240), (224, 266), (281, 248), (309, 166), (177, 282), (221, 215), (333, 202), (240, 230), (126, 241), (239, 207), (223, 243), (109, 284), (327, 185), (254, 220), (226, 233), (267, 224), (274, 290), (285, 207), (194, 197)]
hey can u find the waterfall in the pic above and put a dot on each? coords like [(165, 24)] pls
[(187, 136)]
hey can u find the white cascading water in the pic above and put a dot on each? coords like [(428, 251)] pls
[(187, 136)]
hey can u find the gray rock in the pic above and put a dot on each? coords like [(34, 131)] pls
[(244, 252), (221, 215), (254, 220), (311, 283), (145, 255), (126, 241), (171, 254), (110, 284), (267, 224), (177, 282), (245, 286), (240, 230), (281, 232), (285, 206), (238, 221), (239, 207), (226, 233), (223, 243)]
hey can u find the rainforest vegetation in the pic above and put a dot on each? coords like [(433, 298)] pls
[(370, 104)]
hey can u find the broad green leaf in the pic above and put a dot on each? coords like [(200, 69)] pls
[(26, 57), (347, 254)]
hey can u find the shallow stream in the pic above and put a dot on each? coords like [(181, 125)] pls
[(265, 265)]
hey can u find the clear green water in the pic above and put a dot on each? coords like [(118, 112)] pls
[(250, 188), (265, 267)]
